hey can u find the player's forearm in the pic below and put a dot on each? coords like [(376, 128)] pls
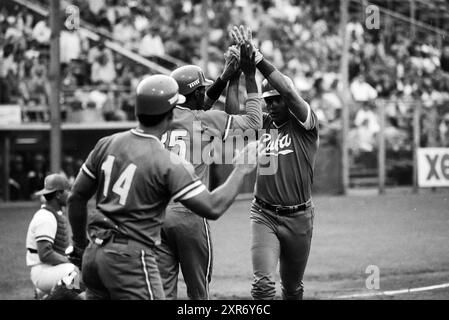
[(251, 85), (232, 105), (215, 90), (49, 256), (297, 105), (77, 212)]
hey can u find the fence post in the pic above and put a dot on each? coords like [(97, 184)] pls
[(416, 143), (6, 161), (55, 84), (344, 94), (381, 149)]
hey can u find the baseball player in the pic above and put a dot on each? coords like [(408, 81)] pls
[(134, 178), (282, 210), (186, 238), (47, 241)]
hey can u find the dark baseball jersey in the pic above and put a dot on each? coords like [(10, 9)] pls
[(192, 131), (136, 179), (197, 132), (294, 148)]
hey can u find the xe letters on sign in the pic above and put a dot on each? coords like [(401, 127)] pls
[(433, 167)]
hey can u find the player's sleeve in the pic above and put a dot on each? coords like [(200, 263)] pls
[(252, 119), (45, 226), (183, 183), (48, 255), (89, 167), (217, 122), (311, 119)]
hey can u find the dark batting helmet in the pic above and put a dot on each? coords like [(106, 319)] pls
[(157, 94), (189, 78), (268, 90)]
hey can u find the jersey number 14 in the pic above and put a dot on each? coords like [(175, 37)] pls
[(123, 183)]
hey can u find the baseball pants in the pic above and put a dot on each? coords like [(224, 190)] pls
[(45, 276), (279, 238), (185, 243), (120, 271)]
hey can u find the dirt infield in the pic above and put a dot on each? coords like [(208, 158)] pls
[(404, 235)]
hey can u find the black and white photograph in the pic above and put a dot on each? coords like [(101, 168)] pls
[(240, 150)]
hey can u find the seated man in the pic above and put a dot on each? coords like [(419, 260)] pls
[(47, 240)]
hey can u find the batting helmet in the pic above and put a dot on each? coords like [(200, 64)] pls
[(268, 90), (157, 94), (189, 78)]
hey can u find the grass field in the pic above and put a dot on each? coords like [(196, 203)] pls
[(405, 235)]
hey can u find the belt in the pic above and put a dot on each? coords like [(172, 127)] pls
[(120, 239), (283, 209)]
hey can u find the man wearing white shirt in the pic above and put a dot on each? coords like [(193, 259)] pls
[(362, 90), (48, 239), (41, 32), (151, 44)]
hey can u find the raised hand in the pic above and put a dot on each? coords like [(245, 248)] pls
[(242, 34), (247, 59), (232, 66)]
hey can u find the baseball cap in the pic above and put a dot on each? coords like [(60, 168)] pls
[(54, 182)]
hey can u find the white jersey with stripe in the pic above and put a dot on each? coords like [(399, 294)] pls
[(43, 226)]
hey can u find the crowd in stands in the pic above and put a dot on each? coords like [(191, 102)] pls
[(387, 66)]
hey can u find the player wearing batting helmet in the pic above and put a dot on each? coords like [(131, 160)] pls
[(186, 239), (134, 178), (282, 210)]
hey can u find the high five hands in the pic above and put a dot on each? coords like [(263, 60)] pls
[(243, 36)]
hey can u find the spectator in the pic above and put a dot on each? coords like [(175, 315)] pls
[(125, 32), (71, 45), (367, 118), (8, 68), (444, 131), (103, 69), (362, 139), (41, 32), (69, 80), (395, 138), (151, 45), (361, 90), (95, 6), (34, 88), (102, 21)]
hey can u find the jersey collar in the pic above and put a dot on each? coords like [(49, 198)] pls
[(140, 133), (274, 123), (279, 126), (182, 108)]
